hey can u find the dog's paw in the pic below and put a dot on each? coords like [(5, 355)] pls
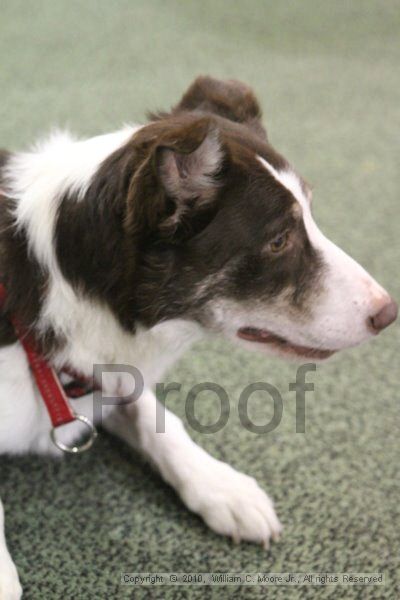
[(231, 503), (10, 587)]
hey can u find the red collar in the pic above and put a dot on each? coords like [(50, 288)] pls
[(50, 387)]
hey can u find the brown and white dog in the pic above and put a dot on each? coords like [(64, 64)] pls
[(127, 247)]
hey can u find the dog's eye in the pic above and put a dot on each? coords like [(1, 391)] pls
[(279, 243)]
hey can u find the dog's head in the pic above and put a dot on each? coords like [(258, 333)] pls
[(235, 244), (226, 236)]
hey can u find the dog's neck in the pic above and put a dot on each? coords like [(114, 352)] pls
[(62, 258)]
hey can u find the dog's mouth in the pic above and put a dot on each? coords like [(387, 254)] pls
[(262, 336)]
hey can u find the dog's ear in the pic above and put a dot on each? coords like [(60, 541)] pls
[(190, 169), (230, 99), (173, 191), (189, 166)]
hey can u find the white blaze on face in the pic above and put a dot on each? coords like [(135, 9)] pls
[(349, 294)]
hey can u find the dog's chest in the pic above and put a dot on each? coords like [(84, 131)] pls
[(96, 338)]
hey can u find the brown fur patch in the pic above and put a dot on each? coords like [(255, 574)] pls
[(24, 280)]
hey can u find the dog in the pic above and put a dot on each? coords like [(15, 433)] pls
[(126, 248)]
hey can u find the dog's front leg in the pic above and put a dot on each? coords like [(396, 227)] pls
[(10, 588), (230, 502)]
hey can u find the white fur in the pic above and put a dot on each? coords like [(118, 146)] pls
[(24, 422), (10, 588)]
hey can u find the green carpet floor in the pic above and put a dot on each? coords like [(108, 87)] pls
[(327, 77)]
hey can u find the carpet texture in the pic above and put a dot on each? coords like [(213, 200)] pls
[(327, 76)]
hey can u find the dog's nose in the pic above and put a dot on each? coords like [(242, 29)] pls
[(386, 315)]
